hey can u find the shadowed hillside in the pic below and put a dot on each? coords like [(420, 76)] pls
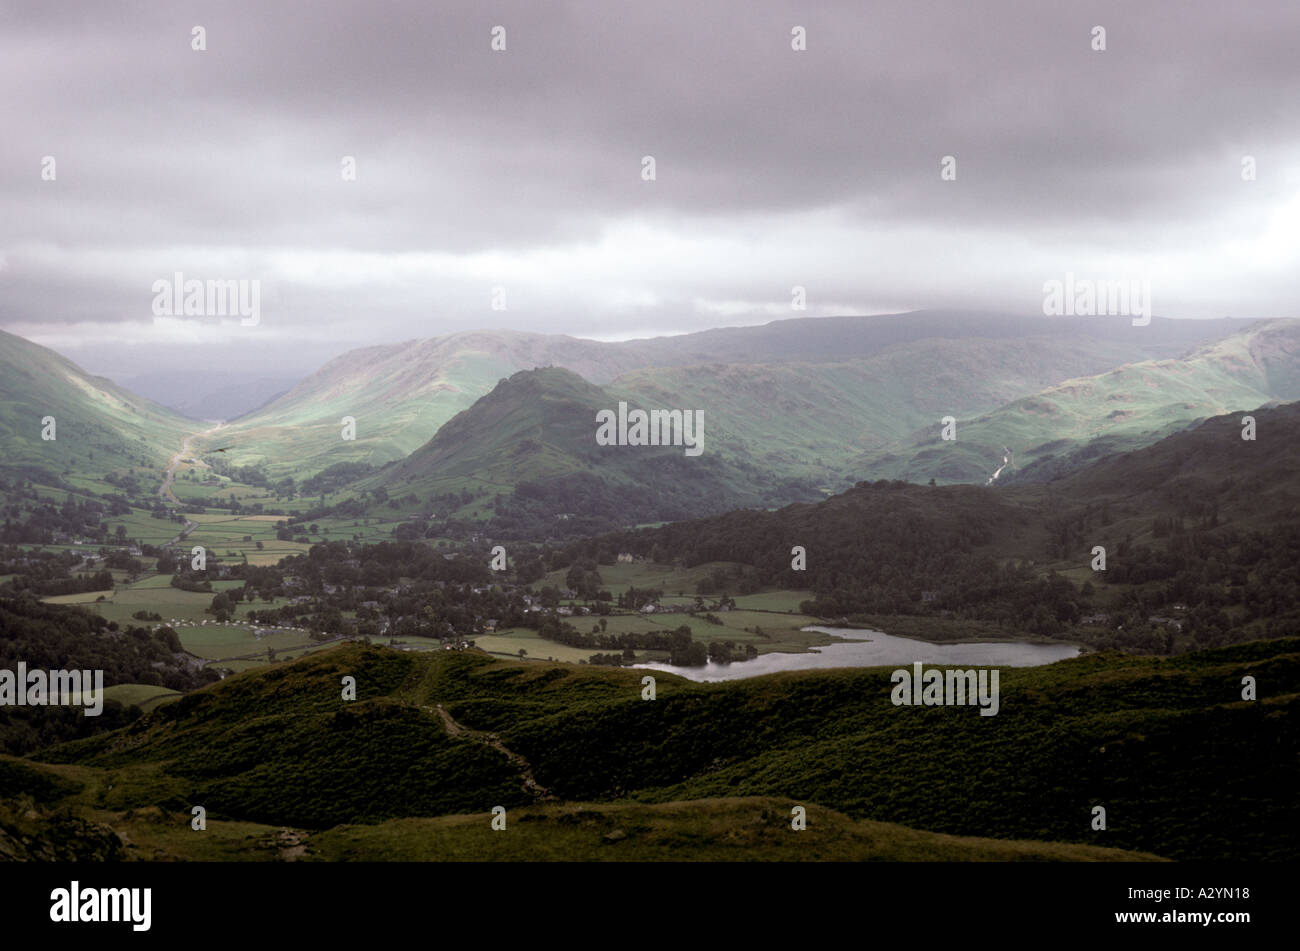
[(1183, 767)]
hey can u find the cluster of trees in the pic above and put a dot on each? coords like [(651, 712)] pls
[(62, 637), (59, 583), (248, 475), (683, 650), (634, 598), (126, 482), (335, 477), (35, 521), (188, 580)]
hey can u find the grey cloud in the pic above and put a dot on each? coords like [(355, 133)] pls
[(462, 151)]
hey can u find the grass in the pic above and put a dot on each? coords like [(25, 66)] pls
[(509, 643), (780, 632), (617, 578), (729, 829), (215, 641), (83, 597), (726, 829), (144, 696), (1184, 768)]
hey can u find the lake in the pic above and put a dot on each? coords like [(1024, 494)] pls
[(862, 648)]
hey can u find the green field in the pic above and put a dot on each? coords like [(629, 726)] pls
[(673, 580), (144, 696), (185, 611), (146, 529), (510, 642), (83, 597), (732, 829)]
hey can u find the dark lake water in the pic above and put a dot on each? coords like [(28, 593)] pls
[(875, 649)]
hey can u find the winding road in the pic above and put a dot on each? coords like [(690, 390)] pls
[(165, 491)]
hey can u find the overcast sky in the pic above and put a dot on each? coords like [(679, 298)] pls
[(522, 168)]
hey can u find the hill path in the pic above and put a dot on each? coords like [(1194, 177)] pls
[(165, 492), (531, 785)]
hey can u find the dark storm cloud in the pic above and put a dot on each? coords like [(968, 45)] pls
[(523, 168)]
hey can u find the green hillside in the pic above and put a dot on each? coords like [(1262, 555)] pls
[(100, 428), (810, 420), (531, 441), (401, 394), (733, 829), (1201, 533), (1127, 407), (1183, 767), (774, 433)]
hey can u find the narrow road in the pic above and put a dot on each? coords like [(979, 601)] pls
[(165, 492), (531, 785), (169, 477)]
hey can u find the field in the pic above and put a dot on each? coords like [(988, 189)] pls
[(82, 597), (232, 537), (218, 641), (185, 611), (144, 696), (144, 528), (509, 643), (619, 577), (774, 631)]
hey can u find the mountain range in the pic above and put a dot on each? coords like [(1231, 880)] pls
[(794, 410)]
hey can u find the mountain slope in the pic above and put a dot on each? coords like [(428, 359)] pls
[(531, 445), (721, 830), (1201, 533), (810, 420), (1124, 408), (1183, 767), (779, 433), (401, 394), (99, 427)]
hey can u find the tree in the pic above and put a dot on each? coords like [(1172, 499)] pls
[(221, 606)]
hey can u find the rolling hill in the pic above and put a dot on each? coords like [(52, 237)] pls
[(1184, 767), (100, 427), (1079, 419), (1201, 531), (400, 395), (794, 432), (530, 445)]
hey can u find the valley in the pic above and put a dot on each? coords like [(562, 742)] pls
[(499, 582)]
